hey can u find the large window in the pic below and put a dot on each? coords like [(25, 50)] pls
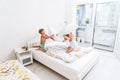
[(106, 22), (107, 14), (84, 14), (102, 33)]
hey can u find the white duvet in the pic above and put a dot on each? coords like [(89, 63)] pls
[(58, 49)]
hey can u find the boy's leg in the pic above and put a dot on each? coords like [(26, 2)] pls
[(43, 46), (35, 46), (41, 49)]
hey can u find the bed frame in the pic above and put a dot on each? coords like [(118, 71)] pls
[(76, 70)]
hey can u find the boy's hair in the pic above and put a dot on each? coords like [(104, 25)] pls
[(40, 30), (67, 35)]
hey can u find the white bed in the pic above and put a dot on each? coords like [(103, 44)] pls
[(73, 71)]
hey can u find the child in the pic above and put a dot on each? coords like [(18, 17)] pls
[(73, 44), (44, 36), (66, 37)]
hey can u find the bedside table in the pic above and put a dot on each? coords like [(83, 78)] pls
[(24, 56)]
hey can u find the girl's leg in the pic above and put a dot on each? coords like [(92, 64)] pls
[(69, 49)]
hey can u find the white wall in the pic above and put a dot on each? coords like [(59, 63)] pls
[(69, 11), (117, 42), (56, 14), (21, 19)]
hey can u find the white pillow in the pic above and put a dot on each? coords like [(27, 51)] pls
[(50, 31), (57, 38)]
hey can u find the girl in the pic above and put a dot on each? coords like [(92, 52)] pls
[(73, 43)]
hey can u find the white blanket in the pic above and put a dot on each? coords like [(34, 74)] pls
[(58, 49)]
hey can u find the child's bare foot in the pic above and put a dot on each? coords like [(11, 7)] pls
[(40, 49), (45, 51)]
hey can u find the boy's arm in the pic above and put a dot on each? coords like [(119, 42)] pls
[(51, 37), (46, 37)]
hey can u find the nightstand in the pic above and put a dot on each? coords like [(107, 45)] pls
[(24, 56)]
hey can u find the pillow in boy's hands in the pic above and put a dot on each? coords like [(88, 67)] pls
[(57, 38)]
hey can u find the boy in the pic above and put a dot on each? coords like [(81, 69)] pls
[(44, 36)]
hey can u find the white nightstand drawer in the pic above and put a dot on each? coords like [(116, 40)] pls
[(27, 60), (25, 57)]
